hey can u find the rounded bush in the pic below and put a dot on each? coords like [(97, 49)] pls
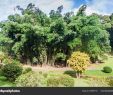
[(107, 69), (27, 70), (31, 79), (79, 62), (60, 81), (11, 71)]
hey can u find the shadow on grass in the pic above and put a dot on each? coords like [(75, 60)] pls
[(106, 72), (71, 73)]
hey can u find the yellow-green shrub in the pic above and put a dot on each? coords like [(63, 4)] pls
[(79, 62), (98, 82), (31, 79), (61, 80)]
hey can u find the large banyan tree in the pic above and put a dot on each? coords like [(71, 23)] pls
[(34, 37)]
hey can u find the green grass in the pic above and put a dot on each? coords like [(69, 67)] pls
[(90, 73), (5, 83), (97, 73)]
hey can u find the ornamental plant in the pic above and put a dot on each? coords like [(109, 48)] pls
[(11, 71), (79, 62)]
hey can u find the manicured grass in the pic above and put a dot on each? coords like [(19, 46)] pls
[(90, 73), (5, 83), (97, 73)]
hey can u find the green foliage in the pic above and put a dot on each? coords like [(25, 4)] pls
[(31, 79), (94, 39), (7, 60), (5, 83), (81, 11), (60, 81), (107, 69), (61, 56), (16, 62), (54, 15), (27, 70), (33, 34), (11, 71)]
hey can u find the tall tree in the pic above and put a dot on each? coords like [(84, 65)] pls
[(94, 38)]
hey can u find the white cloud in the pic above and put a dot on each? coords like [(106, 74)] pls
[(104, 7), (7, 6), (100, 6), (75, 10), (94, 6)]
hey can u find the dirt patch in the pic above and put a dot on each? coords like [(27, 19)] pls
[(47, 68), (50, 68)]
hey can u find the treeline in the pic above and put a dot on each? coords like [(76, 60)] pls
[(33, 37)]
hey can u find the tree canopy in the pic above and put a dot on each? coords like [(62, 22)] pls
[(34, 36)]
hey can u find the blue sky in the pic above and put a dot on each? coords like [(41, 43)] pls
[(94, 6), (77, 3)]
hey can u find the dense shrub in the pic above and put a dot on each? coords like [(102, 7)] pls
[(98, 82), (11, 71), (7, 59), (31, 79), (27, 70), (78, 62), (107, 69), (14, 61), (60, 81), (110, 81)]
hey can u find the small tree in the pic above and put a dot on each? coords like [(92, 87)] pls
[(78, 62)]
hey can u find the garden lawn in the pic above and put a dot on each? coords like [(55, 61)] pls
[(98, 73), (5, 83)]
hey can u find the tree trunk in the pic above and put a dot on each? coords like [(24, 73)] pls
[(78, 75), (53, 61), (48, 60), (45, 60)]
